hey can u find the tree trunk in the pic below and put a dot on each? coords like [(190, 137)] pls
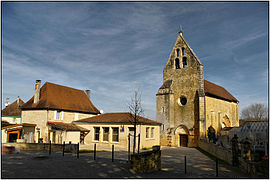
[(134, 144)]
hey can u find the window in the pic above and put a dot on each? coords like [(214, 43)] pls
[(105, 134), (115, 134), (183, 100), (19, 120), (76, 116), (178, 52), (152, 132), (185, 62), (14, 120), (177, 65), (183, 51), (97, 129), (57, 115), (147, 132), (62, 117)]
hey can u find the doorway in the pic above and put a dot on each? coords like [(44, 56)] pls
[(183, 140), (13, 136)]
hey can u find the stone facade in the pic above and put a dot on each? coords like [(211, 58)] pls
[(181, 104)]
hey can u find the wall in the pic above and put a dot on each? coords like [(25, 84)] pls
[(148, 161), (217, 109), (10, 119), (4, 136), (216, 151), (123, 136)]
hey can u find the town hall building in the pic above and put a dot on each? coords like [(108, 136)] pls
[(187, 104)]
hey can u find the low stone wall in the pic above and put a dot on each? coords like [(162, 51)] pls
[(148, 161), (217, 151), (44, 146)]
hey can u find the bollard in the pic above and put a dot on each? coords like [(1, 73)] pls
[(64, 148), (185, 165), (112, 153), (216, 167), (128, 147), (50, 148), (95, 147), (78, 148), (139, 143)]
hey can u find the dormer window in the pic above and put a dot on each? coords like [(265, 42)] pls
[(178, 52), (177, 64), (183, 51), (185, 62)]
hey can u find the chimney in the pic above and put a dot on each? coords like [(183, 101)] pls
[(37, 91), (88, 93), (18, 99), (7, 102)]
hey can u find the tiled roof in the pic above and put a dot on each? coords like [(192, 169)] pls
[(54, 96), (13, 109), (212, 89), (120, 118), (66, 126)]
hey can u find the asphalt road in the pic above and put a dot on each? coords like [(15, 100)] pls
[(39, 164)]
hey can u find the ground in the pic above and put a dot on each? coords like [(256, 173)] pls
[(39, 164)]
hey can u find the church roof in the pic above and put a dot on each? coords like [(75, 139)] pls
[(119, 118), (215, 90), (13, 109), (57, 97)]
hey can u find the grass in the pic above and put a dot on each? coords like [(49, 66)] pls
[(211, 156), (147, 148), (85, 151)]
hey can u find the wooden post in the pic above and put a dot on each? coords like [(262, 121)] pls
[(50, 148), (216, 167), (139, 138), (78, 147), (112, 153), (95, 147), (129, 147), (64, 148), (185, 165)]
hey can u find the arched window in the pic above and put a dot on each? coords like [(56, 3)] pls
[(183, 51), (185, 62), (177, 64), (178, 52)]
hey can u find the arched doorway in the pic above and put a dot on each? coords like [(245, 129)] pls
[(182, 133)]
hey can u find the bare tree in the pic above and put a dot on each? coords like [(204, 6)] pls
[(135, 110), (255, 111)]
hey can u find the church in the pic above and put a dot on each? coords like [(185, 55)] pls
[(187, 104)]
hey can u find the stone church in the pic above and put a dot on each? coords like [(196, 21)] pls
[(187, 104)]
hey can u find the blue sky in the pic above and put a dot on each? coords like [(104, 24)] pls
[(115, 48)]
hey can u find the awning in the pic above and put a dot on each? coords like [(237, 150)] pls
[(17, 126)]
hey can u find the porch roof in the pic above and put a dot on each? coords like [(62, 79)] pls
[(66, 126), (19, 125)]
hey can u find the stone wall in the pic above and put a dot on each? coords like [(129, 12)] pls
[(216, 151), (44, 146), (148, 161)]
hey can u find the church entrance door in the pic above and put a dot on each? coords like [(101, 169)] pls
[(183, 140)]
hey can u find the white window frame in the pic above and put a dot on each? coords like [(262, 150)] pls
[(76, 116), (55, 114), (62, 115)]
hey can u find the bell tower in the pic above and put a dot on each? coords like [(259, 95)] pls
[(180, 99)]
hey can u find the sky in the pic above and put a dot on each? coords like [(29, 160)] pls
[(116, 48)]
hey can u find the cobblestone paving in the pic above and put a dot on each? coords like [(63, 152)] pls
[(39, 164)]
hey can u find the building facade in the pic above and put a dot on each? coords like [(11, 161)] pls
[(12, 112), (187, 104), (110, 129)]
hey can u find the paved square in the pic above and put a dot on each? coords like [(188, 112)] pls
[(38, 164)]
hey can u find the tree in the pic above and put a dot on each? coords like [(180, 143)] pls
[(255, 111), (135, 111)]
